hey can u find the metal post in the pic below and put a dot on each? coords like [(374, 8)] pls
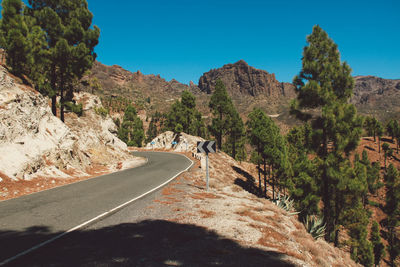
[(207, 175)]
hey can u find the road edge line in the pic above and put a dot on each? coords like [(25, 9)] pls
[(29, 250)]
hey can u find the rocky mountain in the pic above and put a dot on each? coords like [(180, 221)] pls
[(241, 79), (376, 96), (147, 91), (249, 87), (34, 144)]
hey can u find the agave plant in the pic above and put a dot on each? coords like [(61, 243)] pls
[(315, 226), (284, 202)]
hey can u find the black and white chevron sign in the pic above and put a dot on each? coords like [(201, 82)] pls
[(206, 147)]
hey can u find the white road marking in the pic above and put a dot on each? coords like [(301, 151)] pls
[(92, 220)]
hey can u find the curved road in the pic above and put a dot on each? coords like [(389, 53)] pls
[(59, 210)]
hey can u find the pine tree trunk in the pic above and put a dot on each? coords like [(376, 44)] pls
[(336, 220), (54, 105), (325, 190), (259, 169), (219, 138), (327, 208), (273, 185), (379, 139), (62, 99), (234, 146), (265, 178), (53, 87)]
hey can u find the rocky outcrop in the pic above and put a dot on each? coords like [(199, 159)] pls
[(377, 96), (177, 142), (370, 89), (241, 79), (34, 143)]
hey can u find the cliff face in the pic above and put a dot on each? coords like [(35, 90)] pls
[(34, 143), (241, 79), (376, 96)]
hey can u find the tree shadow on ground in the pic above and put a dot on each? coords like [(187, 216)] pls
[(369, 148), (249, 184), (387, 140), (147, 243)]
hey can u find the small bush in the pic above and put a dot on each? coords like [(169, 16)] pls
[(101, 111), (77, 109)]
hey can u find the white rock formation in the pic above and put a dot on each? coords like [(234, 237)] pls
[(179, 143), (34, 143)]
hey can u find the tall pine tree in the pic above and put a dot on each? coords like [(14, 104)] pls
[(15, 36), (235, 142), (221, 107), (376, 240), (392, 209), (326, 83), (70, 43)]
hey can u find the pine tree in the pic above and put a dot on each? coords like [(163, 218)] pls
[(387, 151), (221, 106), (305, 191), (234, 145), (326, 83), (256, 124), (15, 36), (397, 135), (271, 147), (152, 131), (392, 209), (372, 173), (392, 127), (70, 43), (379, 133), (184, 113), (376, 240), (131, 130), (372, 125)]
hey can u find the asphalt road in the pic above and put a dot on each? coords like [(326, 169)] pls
[(60, 209)]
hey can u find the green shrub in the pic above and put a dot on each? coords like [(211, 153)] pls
[(75, 108), (101, 111)]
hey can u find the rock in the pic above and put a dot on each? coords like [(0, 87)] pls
[(184, 142), (377, 96), (35, 143), (241, 79)]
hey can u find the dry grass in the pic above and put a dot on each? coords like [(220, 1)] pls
[(169, 190), (204, 195), (270, 234), (207, 214)]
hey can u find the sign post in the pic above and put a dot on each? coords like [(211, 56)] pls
[(206, 147)]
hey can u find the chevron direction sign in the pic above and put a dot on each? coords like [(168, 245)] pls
[(206, 147)]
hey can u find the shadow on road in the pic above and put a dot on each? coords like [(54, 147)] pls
[(147, 243)]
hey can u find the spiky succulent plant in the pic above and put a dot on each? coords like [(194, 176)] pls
[(284, 202), (315, 226)]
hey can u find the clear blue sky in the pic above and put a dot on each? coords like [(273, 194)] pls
[(182, 39)]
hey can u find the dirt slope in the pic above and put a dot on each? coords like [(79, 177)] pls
[(231, 210)]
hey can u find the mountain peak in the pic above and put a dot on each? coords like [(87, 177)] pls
[(241, 79), (241, 62)]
